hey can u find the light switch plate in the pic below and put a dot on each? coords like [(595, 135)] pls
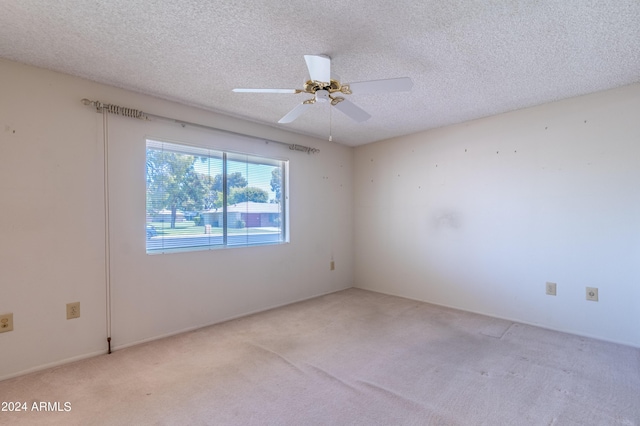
[(592, 294)]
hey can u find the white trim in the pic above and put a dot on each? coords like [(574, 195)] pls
[(532, 324), (231, 318)]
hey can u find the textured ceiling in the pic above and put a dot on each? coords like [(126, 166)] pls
[(467, 59)]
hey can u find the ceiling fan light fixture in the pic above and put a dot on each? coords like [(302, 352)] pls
[(322, 96)]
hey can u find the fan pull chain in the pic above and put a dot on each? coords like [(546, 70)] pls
[(330, 123)]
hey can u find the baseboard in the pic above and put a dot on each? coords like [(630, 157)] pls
[(519, 321), (231, 318), (104, 351), (53, 364)]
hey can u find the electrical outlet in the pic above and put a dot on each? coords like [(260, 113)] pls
[(332, 265), (592, 294), (73, 310), (6, 322), (551, 288)]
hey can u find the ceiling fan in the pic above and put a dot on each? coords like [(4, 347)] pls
[(324, 89)]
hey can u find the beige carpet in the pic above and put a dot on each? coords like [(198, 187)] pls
[(349, 358)]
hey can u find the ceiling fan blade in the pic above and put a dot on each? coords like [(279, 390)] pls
[(380, 86), (353, 111), (265, 90), (319, 67), (294, 113)]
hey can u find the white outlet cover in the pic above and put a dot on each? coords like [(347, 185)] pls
[(551, 288), (73, 310), (592, 294), (6, 322)]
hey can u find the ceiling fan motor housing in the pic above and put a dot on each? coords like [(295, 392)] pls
[(313, 86)]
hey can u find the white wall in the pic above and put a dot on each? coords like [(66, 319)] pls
[(480, 215), (52, 245)]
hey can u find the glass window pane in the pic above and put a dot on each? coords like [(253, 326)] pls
[(186, 192), (254, 211)]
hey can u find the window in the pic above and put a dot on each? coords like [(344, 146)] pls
[(200, 198)]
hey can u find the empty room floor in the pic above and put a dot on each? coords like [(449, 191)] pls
[(353, 357)]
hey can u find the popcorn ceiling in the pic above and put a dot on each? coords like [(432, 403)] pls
[(468, 59)]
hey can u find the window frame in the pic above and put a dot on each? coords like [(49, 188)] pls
[(225, 156)]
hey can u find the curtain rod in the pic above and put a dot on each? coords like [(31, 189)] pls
[(135, 113)]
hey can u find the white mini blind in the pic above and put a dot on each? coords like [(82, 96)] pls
[(199, 198)]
